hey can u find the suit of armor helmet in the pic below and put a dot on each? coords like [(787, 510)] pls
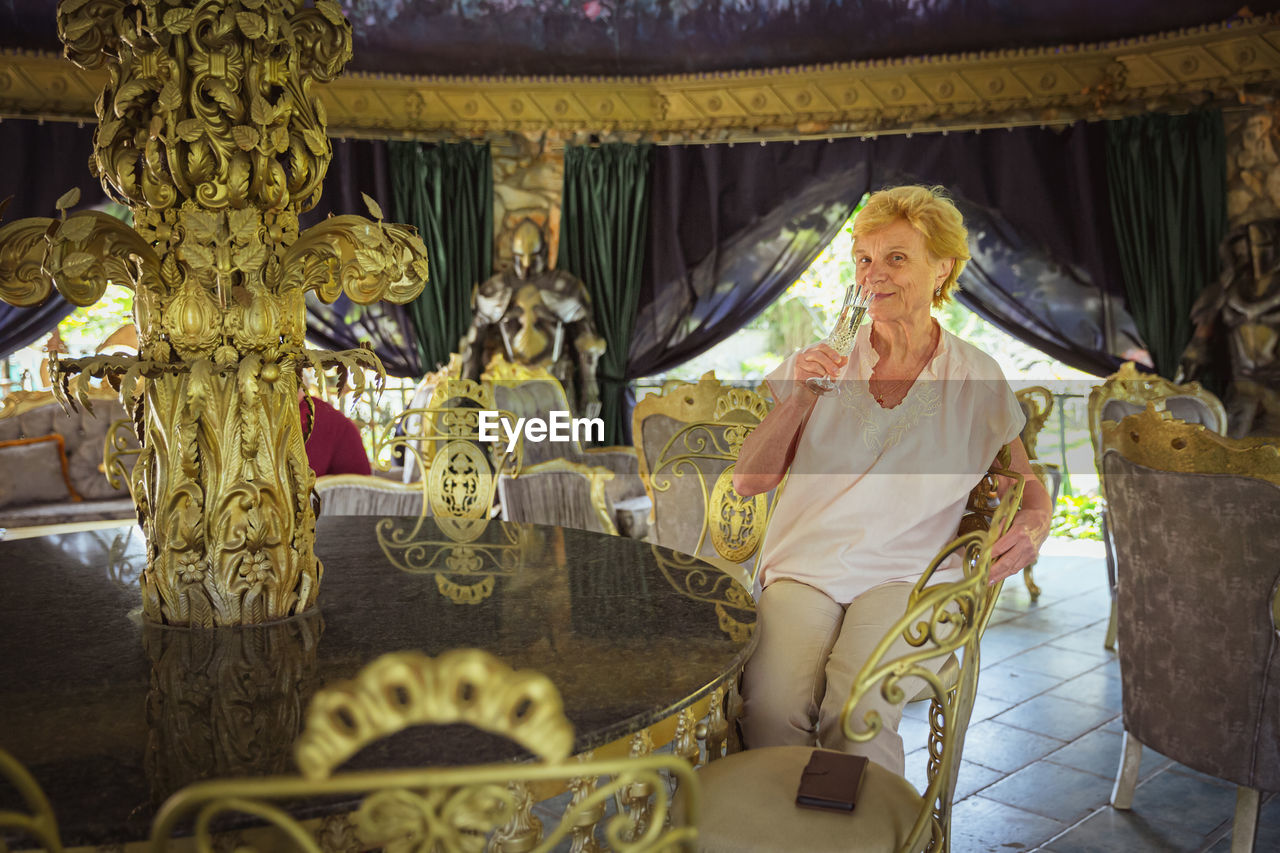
[(1244, 304), (535, 316)]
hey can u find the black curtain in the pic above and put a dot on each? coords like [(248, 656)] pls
[(41, 162), (1045, 265), (446, 192), (361, 166), (1168, 198), (730, 228)]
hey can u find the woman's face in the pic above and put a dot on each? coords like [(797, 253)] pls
[(894, 264)]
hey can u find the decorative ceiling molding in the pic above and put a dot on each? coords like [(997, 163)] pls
[(1177, 70)]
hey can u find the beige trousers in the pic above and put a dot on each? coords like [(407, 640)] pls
[(809, 653)]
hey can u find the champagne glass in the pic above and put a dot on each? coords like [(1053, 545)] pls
[(844, 334)]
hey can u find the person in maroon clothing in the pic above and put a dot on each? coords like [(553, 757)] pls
[(333, 441)]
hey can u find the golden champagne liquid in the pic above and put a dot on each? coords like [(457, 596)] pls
[(846, 331)]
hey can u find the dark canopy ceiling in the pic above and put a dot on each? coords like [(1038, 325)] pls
[(632, 37)]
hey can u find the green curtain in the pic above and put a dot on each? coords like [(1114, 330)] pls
[(446, 192), (1168, 188), (604, 227)]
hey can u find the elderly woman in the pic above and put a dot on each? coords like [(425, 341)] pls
[(879, 474)]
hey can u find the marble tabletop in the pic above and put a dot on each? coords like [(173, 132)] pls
[(111, 716)]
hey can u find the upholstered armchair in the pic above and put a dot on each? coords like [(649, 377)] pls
[(456, 808), (364, 494), (560, 492), (749, 797), (1127, 392), (688, 439), (534, 392), (1192, 520), (1037, 405)]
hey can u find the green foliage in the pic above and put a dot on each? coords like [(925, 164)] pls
[(85, 328), (1078, 517)]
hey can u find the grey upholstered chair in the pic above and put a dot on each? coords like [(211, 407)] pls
[(534, 392), (559, 492), (1193, 519), (365, 494), (1127, 392), (688, 439)]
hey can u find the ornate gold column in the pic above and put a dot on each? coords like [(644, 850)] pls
[(209, 130)]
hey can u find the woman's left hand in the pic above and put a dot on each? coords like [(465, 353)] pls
[(1018, 548)]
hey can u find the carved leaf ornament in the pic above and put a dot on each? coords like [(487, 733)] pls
[(211, 132)]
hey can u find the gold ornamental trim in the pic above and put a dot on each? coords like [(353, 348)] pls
[(1154, 438), (1172, 70), (1130, 385)]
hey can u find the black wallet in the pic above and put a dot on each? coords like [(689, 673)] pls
[(830, 781)]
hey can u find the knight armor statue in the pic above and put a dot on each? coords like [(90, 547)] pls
[(1244, 304), (537, 317)]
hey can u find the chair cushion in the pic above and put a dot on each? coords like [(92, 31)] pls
[(34, 471), (748, 804)]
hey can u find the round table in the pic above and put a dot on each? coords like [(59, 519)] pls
[(111, 716)]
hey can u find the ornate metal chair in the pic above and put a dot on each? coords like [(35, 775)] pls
[(1193, 518), (748, 798), (688, 439), (451, 808), (1037, 405), (423, 394), (444, 439), (360, 494), (560, 492), (41, 825), (1127, 392), (533, 392)]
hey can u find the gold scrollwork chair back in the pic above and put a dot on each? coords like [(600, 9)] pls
[(421, 397), (1193, 518), (534, 392), (447, 440), (749, 797), (39, 823), (1036, 402), (688, 440), (1127, 392), (530, 392), (450, 808)]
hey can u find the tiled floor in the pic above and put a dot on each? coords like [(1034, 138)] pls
[(1044, 741)]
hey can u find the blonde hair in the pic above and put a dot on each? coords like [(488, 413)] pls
[(929, 211)]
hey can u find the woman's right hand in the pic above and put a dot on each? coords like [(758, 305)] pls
[(817, 361)]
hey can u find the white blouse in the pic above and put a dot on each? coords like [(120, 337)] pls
[(873, 494)]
